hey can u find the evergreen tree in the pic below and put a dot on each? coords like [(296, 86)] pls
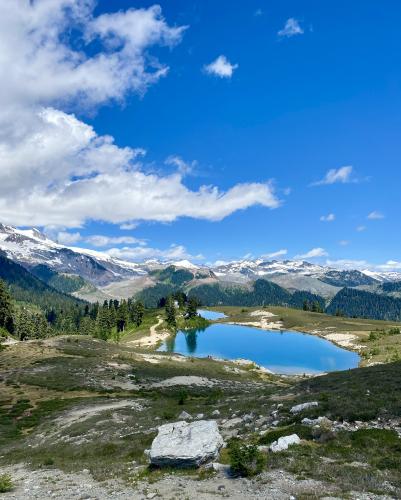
[(6, 309), (138, 311), (122, 316), (192, 308), (104, 323), (170, 312), (25, 325)]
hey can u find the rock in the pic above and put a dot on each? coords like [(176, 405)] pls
[(216, 413), (182, 444), (247, 418), (185, 416), (233, 422), (284, 442), (218, 467), (263, 449), (304, 406), (200, 416), (317, 421)]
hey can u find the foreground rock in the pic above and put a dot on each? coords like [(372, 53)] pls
[(183, 444), (284, 442), (304, 406)]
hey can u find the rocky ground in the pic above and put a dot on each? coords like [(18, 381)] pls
[(275, 485), (77, 416)]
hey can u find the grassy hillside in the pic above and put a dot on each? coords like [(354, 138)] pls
[(26, 287), (361, 304), (73, 403), (65, 283)]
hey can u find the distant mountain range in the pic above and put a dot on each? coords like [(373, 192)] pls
[(102, 276)]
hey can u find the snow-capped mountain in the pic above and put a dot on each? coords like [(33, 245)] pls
[(260, 267), (292, 271), (31, 248)]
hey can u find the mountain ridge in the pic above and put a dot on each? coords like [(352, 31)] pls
[(31, 247)]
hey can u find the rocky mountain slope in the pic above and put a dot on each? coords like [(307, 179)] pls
[(108, 277)]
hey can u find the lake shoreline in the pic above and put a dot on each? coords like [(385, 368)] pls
[(288, 356)]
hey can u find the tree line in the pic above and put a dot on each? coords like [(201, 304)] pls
[(26, 321)]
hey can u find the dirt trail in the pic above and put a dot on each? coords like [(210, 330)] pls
[(154, 336)]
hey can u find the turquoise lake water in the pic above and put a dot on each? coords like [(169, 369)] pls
[(285, 352), (212, 315)]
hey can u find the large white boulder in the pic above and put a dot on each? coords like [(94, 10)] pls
[(284, 442), (304, 406), (183, 444)]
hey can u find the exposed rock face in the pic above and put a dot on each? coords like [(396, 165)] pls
[(304, 406), (185, 416), (284, 442), (182, 444)]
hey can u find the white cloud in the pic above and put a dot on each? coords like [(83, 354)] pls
[(273, 255), (328, 218), (375, 215), (174, 252), (221, 67), (36, 47), (258, 12), (291, 28), (339, 175), (363, 265), (128, 226), (183, 167), (314, 252), (390, 265), (219, 263), (343, 243), (349, 264), (66, 238), (55, 170), (360, 229), (104, 241)]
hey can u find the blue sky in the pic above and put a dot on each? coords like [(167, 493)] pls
[(314, 87)]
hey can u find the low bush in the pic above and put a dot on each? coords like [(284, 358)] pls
[(6, 483), (245, 459)]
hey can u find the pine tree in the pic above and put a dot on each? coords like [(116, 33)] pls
[(104, 323), (6, 309), (25, 327), (137, 313), (170, 312), (122, 316), (192, 308)]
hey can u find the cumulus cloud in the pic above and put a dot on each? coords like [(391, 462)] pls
[(99, 240), (221, 67), (390, 265), (348, 264), (173, 252), (183, 167), (273, 255), (37, 48), (66, 238), (55, 170), (128, 226), (291, 28), (314, 252), (343, 243), (360, 229), (364, 265), (375, 215), (336, 175), (328, 218)]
